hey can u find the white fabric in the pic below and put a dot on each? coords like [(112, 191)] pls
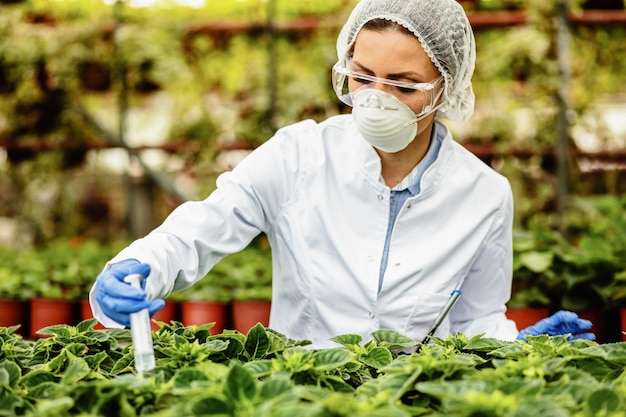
[(314, 190), (384, 121), (445, 33)]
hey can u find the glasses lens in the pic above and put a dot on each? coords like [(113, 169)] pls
[(425, 93), (340, 83)]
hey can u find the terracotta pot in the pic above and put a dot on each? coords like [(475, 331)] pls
[(527, 316), (622, 313), (12, 313), (247, 313), (195, 313), (599, 320), (46, 312), (85, 314), (166, 315)]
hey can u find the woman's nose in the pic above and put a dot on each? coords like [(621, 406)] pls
[(381, 86)]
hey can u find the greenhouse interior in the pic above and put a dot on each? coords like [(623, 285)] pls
[(113, 113)]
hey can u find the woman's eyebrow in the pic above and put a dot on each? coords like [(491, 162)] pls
[(411, 75)]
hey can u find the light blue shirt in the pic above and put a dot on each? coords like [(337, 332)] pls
[(409, 187)]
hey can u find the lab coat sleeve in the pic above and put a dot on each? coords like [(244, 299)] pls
[(487, 287), (197, 234)]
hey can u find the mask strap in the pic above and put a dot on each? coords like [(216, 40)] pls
[(429, 109)]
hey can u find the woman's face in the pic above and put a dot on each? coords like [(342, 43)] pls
[(394, 55)]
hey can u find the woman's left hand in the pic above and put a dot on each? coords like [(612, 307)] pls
[(560, 323)]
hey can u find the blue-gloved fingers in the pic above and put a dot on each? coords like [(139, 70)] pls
[(568, 322), (155, 306), (551, 325), (128, 266), (123, 305), (560, 323), (584, 336), (119, 289), (120, 310), (118, 299)]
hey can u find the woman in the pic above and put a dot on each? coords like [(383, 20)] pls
[(374, 218)]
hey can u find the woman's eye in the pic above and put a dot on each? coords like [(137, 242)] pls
[(406, 90), (361, 80)]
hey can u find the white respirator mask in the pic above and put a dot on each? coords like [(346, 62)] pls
[(385, 122)]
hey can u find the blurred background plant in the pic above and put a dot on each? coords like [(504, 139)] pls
[(111, 115)]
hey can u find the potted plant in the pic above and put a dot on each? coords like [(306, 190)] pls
[(205, 302), (530, 302), (574, 268), (250, 272), (13, 293)]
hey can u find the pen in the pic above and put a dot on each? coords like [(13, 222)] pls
[(454, 296)]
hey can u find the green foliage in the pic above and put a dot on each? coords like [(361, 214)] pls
[(245, 275), (581, 268), (61, 269), (80, 371)]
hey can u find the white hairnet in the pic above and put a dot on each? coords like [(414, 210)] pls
[(445, 33)]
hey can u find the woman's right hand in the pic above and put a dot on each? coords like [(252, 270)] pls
[(118, 299)]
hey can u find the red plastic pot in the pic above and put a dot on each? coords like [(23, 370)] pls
[(85, 314), (12, 313), (46, 312), (166, 315), (622, 312), (196, 313), (527, 316), (247, 313)]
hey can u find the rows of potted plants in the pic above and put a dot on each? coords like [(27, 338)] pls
[(584, 271), (79, 371), (50, 285), (581, 267)]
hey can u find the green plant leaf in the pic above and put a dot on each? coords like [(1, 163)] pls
[(94, 361), (76, 370), (123, 364), (348, 340), (275, 387), (539, 407), (241, 384), (329, 359), (55, 407), (10, 374), (36, 377), (86, 325), (186, 377), (257, 342), (392, 339), (259, 368), (604, 401), (210, 406), (377, 357), (613, 352), (60, 330), (537, 262), (484, 344)]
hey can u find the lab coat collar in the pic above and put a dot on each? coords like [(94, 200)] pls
[(435, 161)]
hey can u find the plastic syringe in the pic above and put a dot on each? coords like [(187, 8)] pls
[(141, 332)]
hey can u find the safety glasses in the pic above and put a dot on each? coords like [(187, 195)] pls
[(341, 74)]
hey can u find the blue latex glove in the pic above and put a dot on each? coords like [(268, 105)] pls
[(118, 299), (560, 323)]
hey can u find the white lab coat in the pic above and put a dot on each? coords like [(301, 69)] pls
[(314, 190)]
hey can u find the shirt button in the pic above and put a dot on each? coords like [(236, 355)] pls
[(372, 315), (370, 258), (380, 196)]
